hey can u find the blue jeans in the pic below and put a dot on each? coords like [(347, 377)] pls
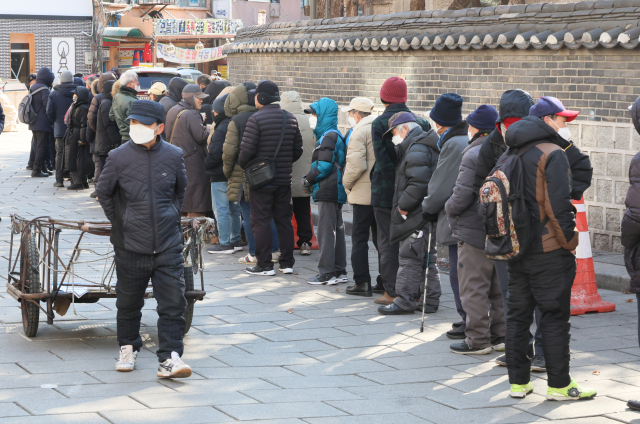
[(246, 223), (227, 214)]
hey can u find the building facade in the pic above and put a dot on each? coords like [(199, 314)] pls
[(44, 35), (583, 53)]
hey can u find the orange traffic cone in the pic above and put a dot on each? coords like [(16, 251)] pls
[(314, 240), (584, 293)]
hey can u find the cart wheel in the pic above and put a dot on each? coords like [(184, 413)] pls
[(31, 277), (188, 283)]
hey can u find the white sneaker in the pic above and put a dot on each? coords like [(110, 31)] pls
[(174, 368), (127, 361), (342, 278), (248, 259), (286, 270)]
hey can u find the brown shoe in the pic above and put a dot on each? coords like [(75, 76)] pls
[(385, 299)]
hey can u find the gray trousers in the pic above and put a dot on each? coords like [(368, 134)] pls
[(387, 252), (413, 269), (481, 296), (333, 247)]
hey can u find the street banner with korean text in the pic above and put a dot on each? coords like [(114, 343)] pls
[(196, 26), (189, 55)]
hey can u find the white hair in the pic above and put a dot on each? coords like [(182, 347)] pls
[(408, 125), (127, 78)]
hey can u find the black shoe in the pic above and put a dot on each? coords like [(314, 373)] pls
[(498, 344), (362, 289), (457, 324), (256, 270), (379, 287), (38, 174), (538, 364), (58, 184), (501, 360), (634, 404), (457, 333), (394, 309), (94, 195), (464, 349), (85, 185), (29, 167), (428, 309), (225, 249), (75, 187)]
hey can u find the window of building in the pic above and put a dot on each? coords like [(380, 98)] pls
[(22, 56)]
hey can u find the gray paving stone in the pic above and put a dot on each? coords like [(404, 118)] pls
[(36, 380), (142, 375), (303, 382), (79, 405), (11, 410), (413, 376), (253, 327), (104, 390), (303, 324), (221, 396), (370, 419), (56, 419), (428, 361), (319, 394), (600, 357), (280, 410), (594, 407), (310, 334), (243, 372), (283, 347), (367, 340), (197, 415), (333, 368), (237, 384), (266, 360), (353, 354), (627, 416), (590, 420), (276, 317), (11, 369)]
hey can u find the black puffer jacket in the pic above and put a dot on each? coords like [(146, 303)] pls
[(513, 104), (60, 99), (76, 135), (141, 191), (213, 162), (261, 137), (213, 90), (107, 133), (547, 184), (44, 79), (462, 207), (92, 115), (173, 94), (418, 157), (631, 225)]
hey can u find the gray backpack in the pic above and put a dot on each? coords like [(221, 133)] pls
[(26, 113)]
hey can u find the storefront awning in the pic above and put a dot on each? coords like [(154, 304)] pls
[(122, 32)]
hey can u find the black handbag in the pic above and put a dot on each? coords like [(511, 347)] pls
[(260, 172)]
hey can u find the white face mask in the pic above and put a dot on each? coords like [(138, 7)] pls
[(141, 134), (397, 139), (313, 121), (137, 87), (470, 135), (565, 133), (352, 122)]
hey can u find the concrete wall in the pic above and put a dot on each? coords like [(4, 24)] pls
[(601, 83), (290, 10), (44, 30)]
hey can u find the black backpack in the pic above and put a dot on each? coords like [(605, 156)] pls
[(26, 113), (508, 222)]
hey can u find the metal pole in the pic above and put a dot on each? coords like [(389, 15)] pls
[(313, 6), (155, 52)]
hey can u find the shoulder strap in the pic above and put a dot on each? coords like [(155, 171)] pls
[(284, 120), (38, 90), (175, 124)]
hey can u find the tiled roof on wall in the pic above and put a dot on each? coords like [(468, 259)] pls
[(607, 23)]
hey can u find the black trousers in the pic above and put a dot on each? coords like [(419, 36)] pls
[(543, 280), (363, 220), (99, 162), (166, 271), (41, 141), (302, 212), (388, 253), (32, 153), (266, 204), (60, 165)]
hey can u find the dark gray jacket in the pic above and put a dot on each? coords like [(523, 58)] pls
[(417, 159), (444, 179), (141, 191), (462, 207), (631, 225)]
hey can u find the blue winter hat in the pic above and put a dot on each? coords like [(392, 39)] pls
[(448, 110), (483, 118), (399, 119)]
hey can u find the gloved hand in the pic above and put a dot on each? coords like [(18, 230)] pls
[(430, 217), (306, 186)]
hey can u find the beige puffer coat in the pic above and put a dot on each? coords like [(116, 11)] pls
[(237, 108), (291, 102), (360, 161)]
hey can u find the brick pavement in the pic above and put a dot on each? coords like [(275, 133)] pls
[(276, 350)]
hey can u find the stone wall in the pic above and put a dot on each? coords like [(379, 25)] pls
[(601, 83), (44, 30)]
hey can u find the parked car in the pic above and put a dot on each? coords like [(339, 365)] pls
[(147, 76)]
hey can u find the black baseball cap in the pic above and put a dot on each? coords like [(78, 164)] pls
[(146, 112)]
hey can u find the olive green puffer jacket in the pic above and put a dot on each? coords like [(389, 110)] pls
[(238, 109)]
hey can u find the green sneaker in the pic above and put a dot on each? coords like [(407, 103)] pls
[(572, 392), (521, 390)]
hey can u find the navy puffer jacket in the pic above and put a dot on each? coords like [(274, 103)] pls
[(141, 191), (60, 100), (44, 78)]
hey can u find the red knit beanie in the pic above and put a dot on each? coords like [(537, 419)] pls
[(394, 90)]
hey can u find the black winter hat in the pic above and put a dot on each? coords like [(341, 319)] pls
[(146, 112), (483, 118), (218, 104), (635, 114), (268, 92), (251, 92), (515, 104), (448, 110)]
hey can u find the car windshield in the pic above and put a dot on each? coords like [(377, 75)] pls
[(146, 79)]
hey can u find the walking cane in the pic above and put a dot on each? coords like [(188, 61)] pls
[(426, 277)]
